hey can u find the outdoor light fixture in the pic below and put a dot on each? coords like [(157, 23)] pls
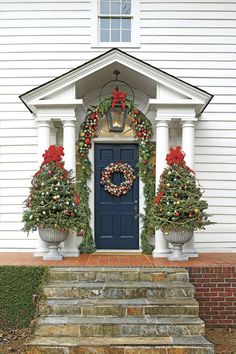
[(117, 113)]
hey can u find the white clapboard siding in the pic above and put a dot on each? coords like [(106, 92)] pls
[(193, 40), (14, 192), (15, 245), (8, 158), (13, 217)]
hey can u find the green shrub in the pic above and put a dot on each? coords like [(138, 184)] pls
[(20, 287)]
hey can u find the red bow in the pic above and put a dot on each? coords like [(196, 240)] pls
[(158, 198), (118, 96), (53, 154), (176, 156)]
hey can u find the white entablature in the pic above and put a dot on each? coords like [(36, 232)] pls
[(66, 97)]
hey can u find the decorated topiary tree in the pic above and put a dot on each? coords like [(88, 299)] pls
[(53, 203), (178, 207)]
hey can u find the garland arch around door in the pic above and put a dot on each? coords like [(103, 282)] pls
[(142, 130)]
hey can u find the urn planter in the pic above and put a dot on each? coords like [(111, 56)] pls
[(53, 238), (178, 238)]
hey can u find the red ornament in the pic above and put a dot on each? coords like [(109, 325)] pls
[(92, 116), (87, 141), (177, 213), (140, 134), (136, 112)]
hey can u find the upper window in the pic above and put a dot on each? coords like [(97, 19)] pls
[(117, 23)]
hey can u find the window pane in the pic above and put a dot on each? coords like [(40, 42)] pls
[(126, 36), (115, 36), (105, 23), (104, 36), (115, 23), (104, 7), (126, 7), (115, 8), (126, 23)]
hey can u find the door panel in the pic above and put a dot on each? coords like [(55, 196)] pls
[(116, 220)]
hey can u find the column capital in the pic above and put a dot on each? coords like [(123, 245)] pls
[(162, 123), (43, 122), (68, 122), (188, 123)]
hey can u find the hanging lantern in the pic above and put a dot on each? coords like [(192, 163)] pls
[(117, 113), (116, 118)]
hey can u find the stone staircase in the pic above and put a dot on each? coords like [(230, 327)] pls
[(119, 311)]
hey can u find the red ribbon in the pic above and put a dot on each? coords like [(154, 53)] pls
[(158, 198), (76, 199), (176, 156), (118, 96)]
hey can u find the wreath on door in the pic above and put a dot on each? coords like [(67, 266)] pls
[(124, 187)]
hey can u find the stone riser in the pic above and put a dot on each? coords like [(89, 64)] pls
[(119, 293), (123, 311), (118, 276), (119, 350), (116, 330)]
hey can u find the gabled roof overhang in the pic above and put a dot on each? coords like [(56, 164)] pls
[(61, 91)]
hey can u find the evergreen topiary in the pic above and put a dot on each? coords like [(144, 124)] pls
[(178, 204), (53, 201)]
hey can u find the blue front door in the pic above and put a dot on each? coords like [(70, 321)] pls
[(116, 218)]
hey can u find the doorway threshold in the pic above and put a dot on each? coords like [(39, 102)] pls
[(117, 252)]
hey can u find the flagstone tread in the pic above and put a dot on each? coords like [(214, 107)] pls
[(130, 341), (188, 301), (118, 274), (118, 269), (74, 319), (123, 285)]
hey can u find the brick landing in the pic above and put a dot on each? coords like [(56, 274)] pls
[(121, 260)]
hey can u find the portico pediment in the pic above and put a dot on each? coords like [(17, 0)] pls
[(83, 83)]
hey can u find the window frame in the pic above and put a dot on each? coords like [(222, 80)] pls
[(135, 26)]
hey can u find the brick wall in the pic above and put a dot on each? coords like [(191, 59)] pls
[(216, 293)]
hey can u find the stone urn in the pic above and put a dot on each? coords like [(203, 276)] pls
[(178, 238), (53, 238)]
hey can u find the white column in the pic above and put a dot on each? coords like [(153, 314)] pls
[(188, 149), (70, 245), (43, 144), (162, 148)]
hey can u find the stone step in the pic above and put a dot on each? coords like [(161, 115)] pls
[(122, 307), (117, 290), (120, 345), (118, 274), (74, 326)]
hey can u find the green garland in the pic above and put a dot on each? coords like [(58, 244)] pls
[(142, 130)]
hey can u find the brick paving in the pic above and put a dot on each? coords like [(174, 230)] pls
[(120, 260)]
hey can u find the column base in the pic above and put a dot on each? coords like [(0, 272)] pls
[(71, 253), (191, 252), (40, 254), (160, 253)]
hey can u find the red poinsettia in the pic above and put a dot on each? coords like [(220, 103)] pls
[(176, 156)]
